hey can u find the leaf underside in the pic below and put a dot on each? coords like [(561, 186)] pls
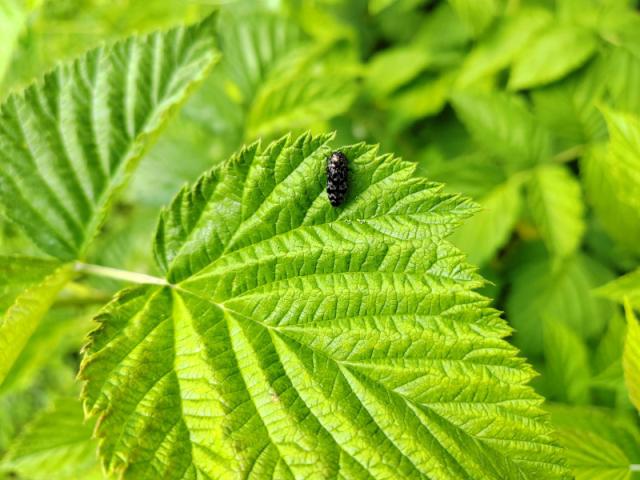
[(297, 340), (68, 143)]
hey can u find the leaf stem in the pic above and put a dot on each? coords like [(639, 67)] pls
[(634, 467), (118, 274)]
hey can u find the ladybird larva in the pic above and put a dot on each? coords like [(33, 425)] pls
[(337, 174)]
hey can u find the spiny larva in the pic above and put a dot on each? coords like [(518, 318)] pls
[(337, 174)]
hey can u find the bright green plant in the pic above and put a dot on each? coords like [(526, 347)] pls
[(241, 327)]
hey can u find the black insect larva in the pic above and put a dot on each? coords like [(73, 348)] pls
[(337, 173)]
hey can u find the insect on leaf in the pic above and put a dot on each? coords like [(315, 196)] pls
[(295, 339)]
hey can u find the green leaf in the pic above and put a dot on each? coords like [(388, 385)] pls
[(487, 231), (623, 74), (599, 444), (554, 53), (427, 96), (296, 340), (567, 372), (624, 152), (477, 14), (594, 458), (560, 289), (12, 19), (631, 356), (68, 143), (501, 124), (568, 107), (611, 344), (377, 6), (555, 204), (19, 273), (57, 445), (618, 214), (474, 175), (22, 318), (497, 50), (392, 68), (304, 96), (60, 333), (624, 288), (272, 79)]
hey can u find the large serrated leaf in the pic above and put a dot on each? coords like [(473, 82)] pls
[(298, 340), (68, 143)]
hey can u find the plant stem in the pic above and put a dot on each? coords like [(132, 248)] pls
[(118, 274), (634, 467)]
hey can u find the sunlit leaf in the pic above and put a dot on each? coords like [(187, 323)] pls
[(296, 339)]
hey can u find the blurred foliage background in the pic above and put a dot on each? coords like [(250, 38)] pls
[(531, 107)]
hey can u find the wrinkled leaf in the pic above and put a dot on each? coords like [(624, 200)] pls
[(294, 338), (68, 143)]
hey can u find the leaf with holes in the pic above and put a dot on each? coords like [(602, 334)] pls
[(298, 340)]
